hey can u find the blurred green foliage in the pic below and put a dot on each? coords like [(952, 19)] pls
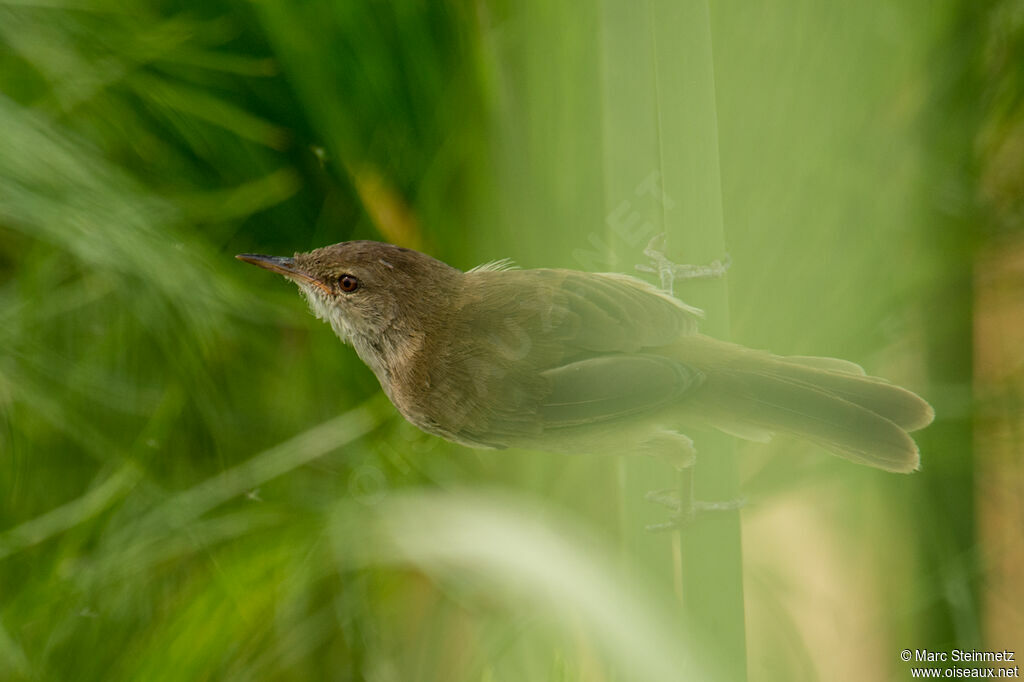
[(198, 482)]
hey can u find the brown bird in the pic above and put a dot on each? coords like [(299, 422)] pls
[(578, 362)]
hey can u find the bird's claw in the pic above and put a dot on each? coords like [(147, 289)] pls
[(685, 515), (668, 272), (666, 497)]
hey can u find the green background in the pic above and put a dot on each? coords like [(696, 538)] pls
[(198, 481)]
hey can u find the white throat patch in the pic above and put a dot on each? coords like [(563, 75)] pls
[(321, 306)]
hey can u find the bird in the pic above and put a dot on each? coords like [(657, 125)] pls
[(566, 361)]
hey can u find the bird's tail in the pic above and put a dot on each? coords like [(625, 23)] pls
[(753, 394)]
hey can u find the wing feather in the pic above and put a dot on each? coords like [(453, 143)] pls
[(613, 386), (558, 347)]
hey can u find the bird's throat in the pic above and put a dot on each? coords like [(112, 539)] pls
[(383, 353)]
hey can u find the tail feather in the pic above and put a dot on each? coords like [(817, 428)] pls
[(847, 429), (825, 401), (900, 406), (832, 364)]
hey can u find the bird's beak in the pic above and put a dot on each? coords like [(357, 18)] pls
[(282, 265)]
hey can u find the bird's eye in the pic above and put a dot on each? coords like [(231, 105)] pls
[(348, 283)]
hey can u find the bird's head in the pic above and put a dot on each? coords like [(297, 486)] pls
[(366, 290)]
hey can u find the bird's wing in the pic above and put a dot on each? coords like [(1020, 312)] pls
[(597, 312), (622, 313), (609, 387), (556, 348)]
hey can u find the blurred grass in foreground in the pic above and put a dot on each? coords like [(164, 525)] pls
[(198, 482)]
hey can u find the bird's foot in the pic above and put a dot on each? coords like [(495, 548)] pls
[(677, 450), (668, 272), (686, 511)]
